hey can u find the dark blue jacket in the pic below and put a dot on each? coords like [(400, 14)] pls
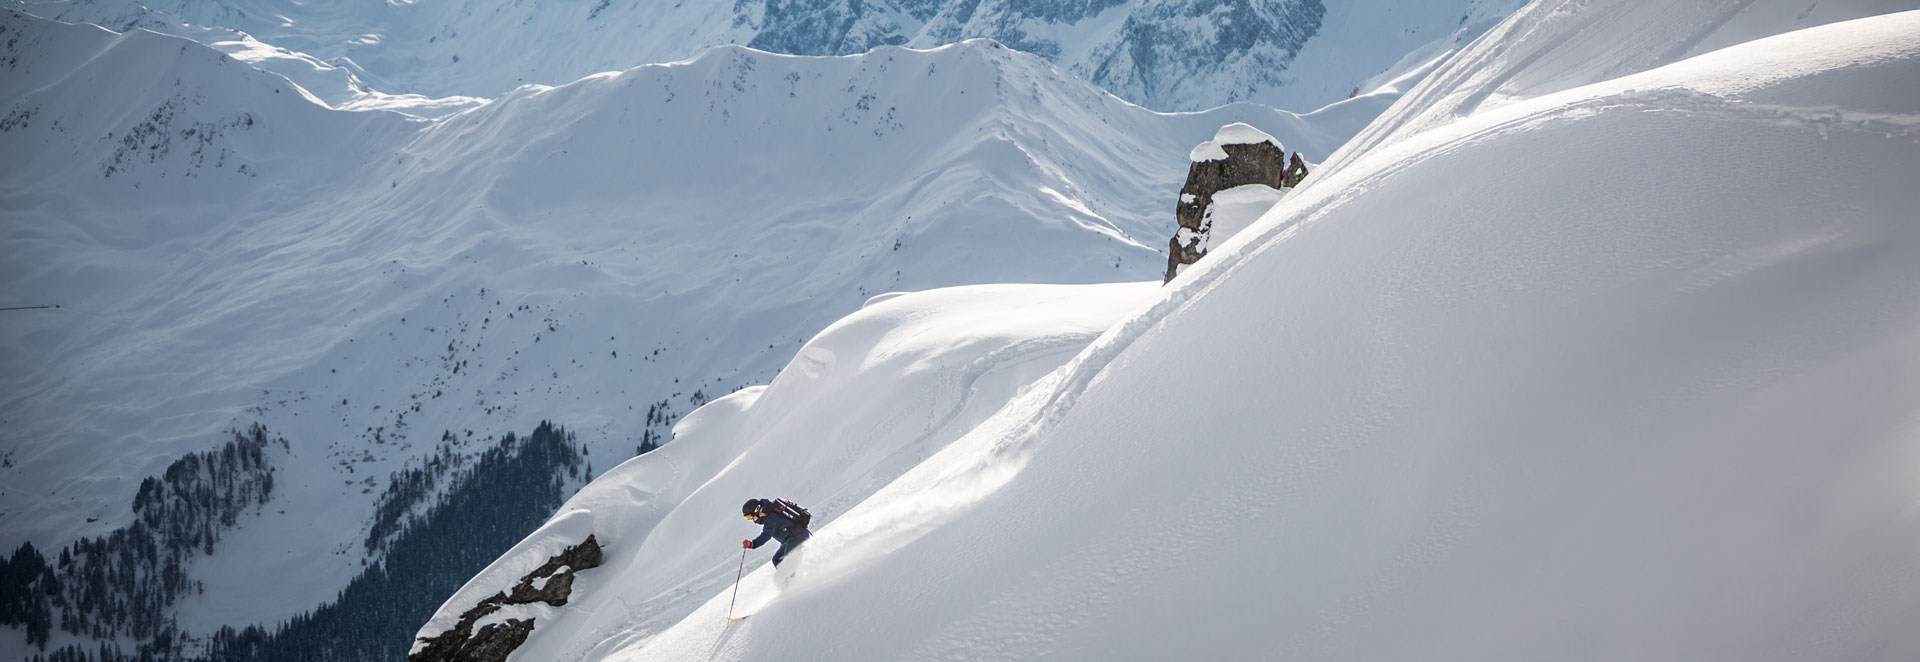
[(774, 526)]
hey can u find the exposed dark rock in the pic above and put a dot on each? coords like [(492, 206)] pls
[(1238, 155), (492, 643), (551, 583), (1296, 171)]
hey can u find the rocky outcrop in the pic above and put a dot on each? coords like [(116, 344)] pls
[(550, 584), (1296, 171), (1239, 155)]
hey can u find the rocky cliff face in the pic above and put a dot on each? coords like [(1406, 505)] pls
[(489, 632), (1193, 54), (1162, 54), (1234, 178)]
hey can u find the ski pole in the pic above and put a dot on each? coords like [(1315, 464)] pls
[(736, 583)]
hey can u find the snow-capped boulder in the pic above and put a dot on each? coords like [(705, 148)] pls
[(1241, 159)]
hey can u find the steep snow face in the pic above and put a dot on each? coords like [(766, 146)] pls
[(870, 397), (227, 252), (1654, 401), (1163, 54)]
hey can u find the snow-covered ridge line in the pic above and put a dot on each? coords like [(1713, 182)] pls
[(1526, 56), (179, 111), (335, 84)]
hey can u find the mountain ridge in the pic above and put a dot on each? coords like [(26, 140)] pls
[(1178, 55)]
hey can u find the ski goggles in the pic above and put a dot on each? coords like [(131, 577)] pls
[(749, 517)]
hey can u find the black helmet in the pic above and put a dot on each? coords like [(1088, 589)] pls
[(752, 507)]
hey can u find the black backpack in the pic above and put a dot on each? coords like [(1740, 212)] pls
[(792, 511)]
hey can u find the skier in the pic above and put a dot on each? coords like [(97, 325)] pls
[(779, 519)]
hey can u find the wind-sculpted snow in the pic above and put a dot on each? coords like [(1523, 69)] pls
[(1545, 49), (1649, 397)]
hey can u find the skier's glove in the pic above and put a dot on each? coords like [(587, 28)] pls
[(746, 544)]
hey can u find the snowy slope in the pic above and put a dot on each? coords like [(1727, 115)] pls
[(1363, 39), (821, 434), (226, 252), (336, 83), (1455, 400), (1544, 49), (1163, 54)]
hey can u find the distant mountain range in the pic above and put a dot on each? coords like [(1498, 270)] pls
[(1163, 54)]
